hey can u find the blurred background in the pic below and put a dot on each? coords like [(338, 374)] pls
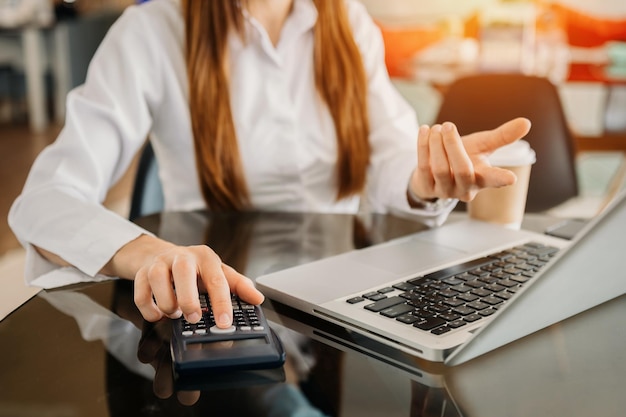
[(578, 45)]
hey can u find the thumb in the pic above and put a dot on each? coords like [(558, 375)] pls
[(489, 141), (494, 177)]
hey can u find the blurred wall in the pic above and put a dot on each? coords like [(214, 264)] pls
[(418, 10), (612, 9)]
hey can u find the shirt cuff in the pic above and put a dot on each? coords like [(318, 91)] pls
[(39, 272), (430, 218), (434, 205)]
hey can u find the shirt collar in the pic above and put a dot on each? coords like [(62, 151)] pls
[(301, 20)]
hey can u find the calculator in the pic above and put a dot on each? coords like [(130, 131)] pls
[(248, 344)]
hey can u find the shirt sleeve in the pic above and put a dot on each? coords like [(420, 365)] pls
[(393, 130), (108, 119)]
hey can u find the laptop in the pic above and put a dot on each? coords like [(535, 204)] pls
[(458, 291)]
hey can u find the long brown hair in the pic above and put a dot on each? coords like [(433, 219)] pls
[(339, 77)]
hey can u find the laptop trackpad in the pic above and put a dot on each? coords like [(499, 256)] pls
[(407, 256)]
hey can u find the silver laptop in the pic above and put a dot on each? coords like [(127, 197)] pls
[(458, 291)]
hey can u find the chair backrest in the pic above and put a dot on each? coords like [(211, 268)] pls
[(83, 37), (484, 101), (147, 195)]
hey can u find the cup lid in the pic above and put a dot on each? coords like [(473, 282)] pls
[(515, 154)]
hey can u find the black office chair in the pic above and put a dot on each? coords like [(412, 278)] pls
[(482, 102), (147, 195)]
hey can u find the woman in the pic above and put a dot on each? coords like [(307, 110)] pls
[(257, 104)]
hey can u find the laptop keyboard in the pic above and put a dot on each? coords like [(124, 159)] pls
[(453, 297)]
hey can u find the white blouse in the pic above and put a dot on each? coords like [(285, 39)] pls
[(137, 87)]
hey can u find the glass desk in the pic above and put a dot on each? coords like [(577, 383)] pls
[(85, 351)]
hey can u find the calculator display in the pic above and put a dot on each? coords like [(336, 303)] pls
[(228, 344)]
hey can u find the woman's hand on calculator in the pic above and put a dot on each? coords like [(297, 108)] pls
[(167, 278)]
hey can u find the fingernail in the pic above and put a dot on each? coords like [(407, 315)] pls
[(193, 318), (224, 320), (446, 127)]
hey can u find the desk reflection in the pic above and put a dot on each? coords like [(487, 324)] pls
[(94, 337)]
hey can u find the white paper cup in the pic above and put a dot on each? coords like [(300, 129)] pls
[(506, 205)]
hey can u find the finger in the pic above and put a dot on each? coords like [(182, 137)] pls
[(149, 344), (426, 182), (188, 397), (460, 162), (163, 382), (143, 297), (242, 286), (440, 166), (496, 177), (489, 141), (160, 279), (185, 275), (212, 275)]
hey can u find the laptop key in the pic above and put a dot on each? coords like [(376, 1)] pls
[(479, 272), (505, 295), (407, 318), (419, 281), (481, 292), (492, 300), (397, 310), (375, 297), (487, 312), (463, 310), (457, 323), (403, 286), (450, 316), (475, 284), (448, 293), (440, 330), (418, 304), (478, 305), (465, 276), (380, 305), (520, 278), (461, 288), (355, 300), (433, 298), (508, 283), (429, 323), (468, 297), (424, 313), (524, 267), (454, 302), (545, 251), (453, 281), (496, 287), (439, 308), (472, 318)]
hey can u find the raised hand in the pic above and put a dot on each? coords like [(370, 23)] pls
[(451, 166)]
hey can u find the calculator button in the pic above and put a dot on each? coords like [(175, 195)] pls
[(258, 328), (228, 330), (245, 328), (200, 331), (187, 333)]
